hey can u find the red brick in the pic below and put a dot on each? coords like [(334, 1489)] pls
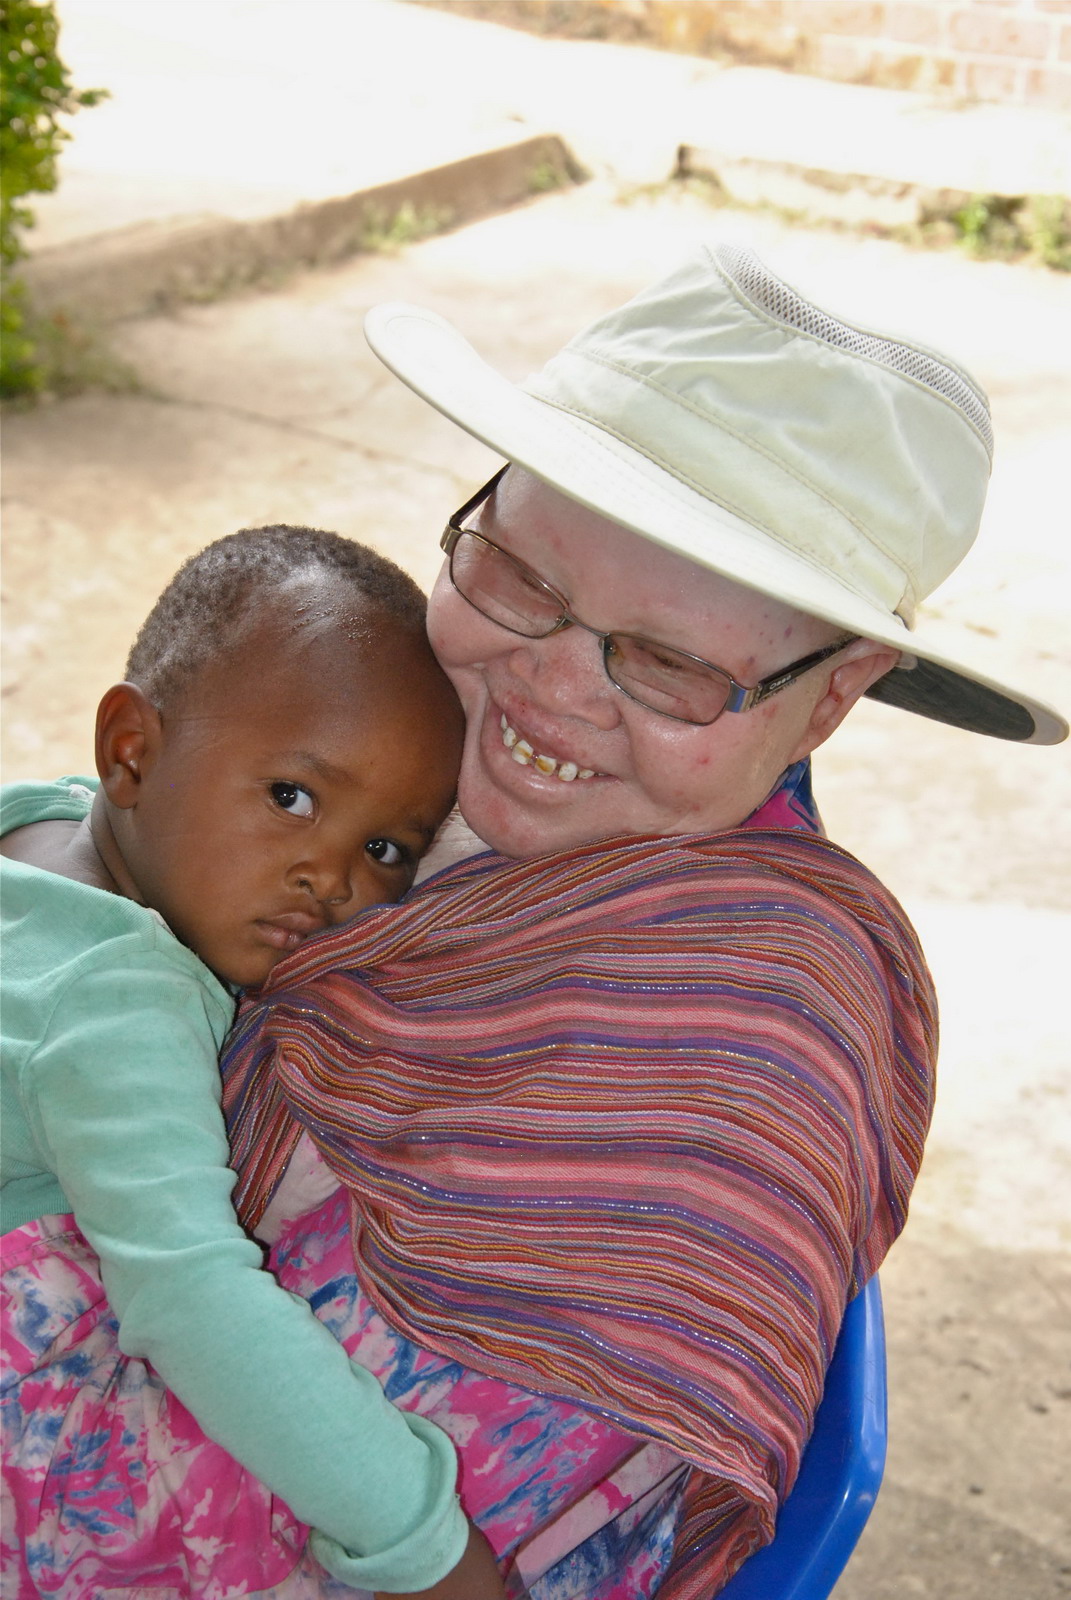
[(836, 16), (846, 59), (913, 24), (992, 34), (942, 74), (903, 70), (925, 73), (991, 80), (767, 13), (1048, 86)]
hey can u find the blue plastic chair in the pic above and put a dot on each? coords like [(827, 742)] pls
[(840, 1474)]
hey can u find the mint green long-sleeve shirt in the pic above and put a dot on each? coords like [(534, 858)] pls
[(110, 1100)]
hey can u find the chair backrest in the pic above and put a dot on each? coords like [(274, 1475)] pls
[(839, 1476)]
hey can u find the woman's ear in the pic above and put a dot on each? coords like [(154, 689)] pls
[(128, 737), (863, 663)]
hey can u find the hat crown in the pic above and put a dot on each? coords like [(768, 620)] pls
[(773, 296), (865, 455), (722, 415)]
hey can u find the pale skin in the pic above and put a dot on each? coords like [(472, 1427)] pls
[(652, 775)]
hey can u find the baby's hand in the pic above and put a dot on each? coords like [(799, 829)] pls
[(476, 1577)]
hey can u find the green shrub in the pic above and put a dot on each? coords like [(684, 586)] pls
[(1010, 226), (1047, 225), (35, 90)]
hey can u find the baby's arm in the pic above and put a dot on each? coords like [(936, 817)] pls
[(124, 1095), (476, 1576)]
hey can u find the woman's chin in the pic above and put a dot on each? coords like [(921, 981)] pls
[(519, 810), (520, 821)]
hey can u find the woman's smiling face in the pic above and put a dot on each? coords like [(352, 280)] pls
[(611, 766)]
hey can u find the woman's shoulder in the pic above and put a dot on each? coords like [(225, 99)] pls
[(636, 875), (767, 880), (802, 861), (807, 857), (797, 874)]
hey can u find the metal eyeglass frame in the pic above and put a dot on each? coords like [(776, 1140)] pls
[(740, 697)]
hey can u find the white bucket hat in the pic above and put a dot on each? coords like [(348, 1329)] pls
[(724, 416)]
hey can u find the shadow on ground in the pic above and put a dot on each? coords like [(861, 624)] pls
[(974, 1505)]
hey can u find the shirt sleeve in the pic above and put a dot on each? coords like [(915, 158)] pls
[(124, 1097)]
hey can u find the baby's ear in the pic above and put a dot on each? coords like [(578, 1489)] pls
[(128, 738)]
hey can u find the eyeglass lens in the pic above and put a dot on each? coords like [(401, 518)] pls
[(656, 675), (503, 589)]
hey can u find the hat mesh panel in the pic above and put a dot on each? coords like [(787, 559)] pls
[(785, 305)]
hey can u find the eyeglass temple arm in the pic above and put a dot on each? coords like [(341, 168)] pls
[(453, 528), (741, 699)]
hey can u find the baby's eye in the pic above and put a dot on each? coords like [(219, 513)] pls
[(293, 798), (387, 852)]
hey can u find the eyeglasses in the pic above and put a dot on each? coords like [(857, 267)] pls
[(663, 679)]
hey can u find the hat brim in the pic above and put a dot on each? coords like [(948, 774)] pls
[(611, 477)]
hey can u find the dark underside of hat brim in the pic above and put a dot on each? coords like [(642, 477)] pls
[(933, 691)]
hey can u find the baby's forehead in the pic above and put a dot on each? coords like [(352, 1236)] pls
[(317, 607), (311, 642)]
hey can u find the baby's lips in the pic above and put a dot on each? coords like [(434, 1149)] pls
[(287, 930), (304, 922)]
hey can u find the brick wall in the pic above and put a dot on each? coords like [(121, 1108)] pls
[(1009, 50)]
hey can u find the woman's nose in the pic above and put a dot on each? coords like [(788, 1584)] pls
[(565, 673)]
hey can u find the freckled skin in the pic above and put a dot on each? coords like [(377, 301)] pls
[(653, 775)]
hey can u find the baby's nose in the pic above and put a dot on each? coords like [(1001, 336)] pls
[(328, 882)]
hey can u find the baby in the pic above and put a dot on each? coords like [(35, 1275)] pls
[(279, 758)]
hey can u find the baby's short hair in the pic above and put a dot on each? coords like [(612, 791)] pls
[(215, 593)]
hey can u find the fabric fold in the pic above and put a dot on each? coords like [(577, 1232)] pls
[(626, 1125)]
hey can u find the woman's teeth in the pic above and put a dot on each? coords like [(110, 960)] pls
[(522, 752)]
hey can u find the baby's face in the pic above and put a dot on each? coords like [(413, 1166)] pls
[(295, 785)]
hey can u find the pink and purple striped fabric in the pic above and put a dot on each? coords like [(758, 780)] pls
[(626, 1125)]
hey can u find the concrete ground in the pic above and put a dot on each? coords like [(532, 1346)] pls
[(277, 104), (268, 407), (237, 128)]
